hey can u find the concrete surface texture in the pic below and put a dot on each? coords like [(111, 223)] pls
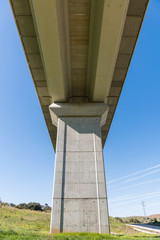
[(79, 192)]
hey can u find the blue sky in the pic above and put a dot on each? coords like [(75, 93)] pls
[(133, 143)]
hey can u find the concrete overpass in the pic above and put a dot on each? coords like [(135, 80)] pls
[(78, 53)]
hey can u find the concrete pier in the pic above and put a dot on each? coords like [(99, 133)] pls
[(79, 192)]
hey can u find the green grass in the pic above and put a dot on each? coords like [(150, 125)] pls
[(18, 224), (120, 228)]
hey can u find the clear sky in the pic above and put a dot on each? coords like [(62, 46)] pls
[(133, 144)]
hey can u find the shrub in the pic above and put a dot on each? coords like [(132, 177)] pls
[(21, 206), (119, 219), (34, 206), (134, 220)]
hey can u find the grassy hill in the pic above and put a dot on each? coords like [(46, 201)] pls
[(128, 219), (157, 216), (16, 224)]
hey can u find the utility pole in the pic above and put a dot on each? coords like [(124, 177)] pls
[(143, 205)]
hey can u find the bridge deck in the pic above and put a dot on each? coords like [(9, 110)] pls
[(78, 16)]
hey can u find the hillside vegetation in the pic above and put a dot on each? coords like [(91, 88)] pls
[(17, 224), (151, 220)]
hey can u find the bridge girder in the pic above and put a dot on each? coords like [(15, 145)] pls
[(78, 51)]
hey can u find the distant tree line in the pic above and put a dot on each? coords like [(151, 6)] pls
[(134, 220), (31, 206)]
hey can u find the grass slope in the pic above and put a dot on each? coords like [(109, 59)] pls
[(118, 227), (18, 224)]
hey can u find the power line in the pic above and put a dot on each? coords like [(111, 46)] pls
[(134, 185), (131, 196), (133, 174), (138, 177), (137, 199)]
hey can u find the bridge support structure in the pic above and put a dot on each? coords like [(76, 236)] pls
[(79, 192)]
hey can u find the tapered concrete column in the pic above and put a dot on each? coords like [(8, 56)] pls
[(79, 192)]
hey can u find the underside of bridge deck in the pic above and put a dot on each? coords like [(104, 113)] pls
[(78, 50)]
